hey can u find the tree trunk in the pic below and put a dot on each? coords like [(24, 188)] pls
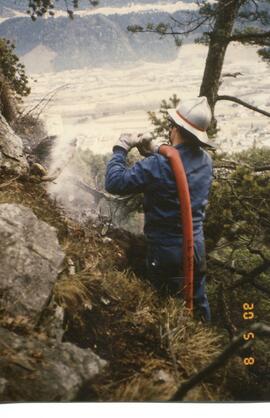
[(219, 40)]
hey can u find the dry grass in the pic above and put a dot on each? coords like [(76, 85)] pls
[(16, 323), (33, 195), (191, 341), (71, 294), (143, 337), (187, 346), (155, 382)]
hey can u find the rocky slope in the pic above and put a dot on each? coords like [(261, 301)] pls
[(31, 325)]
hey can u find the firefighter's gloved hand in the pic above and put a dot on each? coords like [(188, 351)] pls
[(148, 146), (127, 141)]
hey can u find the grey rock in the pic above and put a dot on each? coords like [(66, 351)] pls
[(162, 376), (52, 321), (31, 259), (33, 370), (12, 158)]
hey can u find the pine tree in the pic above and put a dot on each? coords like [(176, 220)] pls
[(13, 80), (225, 21), (39, 8)]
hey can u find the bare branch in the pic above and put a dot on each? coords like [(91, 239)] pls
[(7, 183), (236, 74), (241, 102), (43, 102), (225, 311), (260, 329), (99, 194)]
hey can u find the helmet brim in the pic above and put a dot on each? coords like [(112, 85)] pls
[(200, 135)]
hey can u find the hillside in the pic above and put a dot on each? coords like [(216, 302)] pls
[(114, 312), (98, 36), (77, 302), (88, 41), (100, 304), (92, 40)]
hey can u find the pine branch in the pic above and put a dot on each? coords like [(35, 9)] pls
[(222, 264), (233, 165), (261, 288), (253, 37), (161, 29), (262, 168), (252, 275), (247, 277)]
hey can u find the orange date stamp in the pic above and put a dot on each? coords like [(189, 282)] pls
[(248, 315)]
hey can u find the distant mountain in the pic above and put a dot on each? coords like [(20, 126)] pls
[(92, 40)]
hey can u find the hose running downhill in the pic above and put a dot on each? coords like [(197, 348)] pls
[(186, 219)]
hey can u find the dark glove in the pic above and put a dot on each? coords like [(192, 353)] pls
[(148, 146)]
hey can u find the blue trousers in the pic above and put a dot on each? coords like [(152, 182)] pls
[(164, 267)]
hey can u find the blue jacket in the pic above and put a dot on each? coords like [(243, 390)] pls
[(154, 177)]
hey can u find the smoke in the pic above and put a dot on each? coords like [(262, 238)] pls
[(78, 187), (74, 169), (76, 202)]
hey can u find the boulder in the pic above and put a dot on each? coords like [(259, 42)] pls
[(33, 370), (12, 158), (31, 260)]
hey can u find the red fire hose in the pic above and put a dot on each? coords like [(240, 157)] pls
[(186, 218)]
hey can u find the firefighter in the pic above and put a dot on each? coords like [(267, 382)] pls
[(154, 177)]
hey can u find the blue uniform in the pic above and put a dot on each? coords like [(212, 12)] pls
[(154, 177)]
